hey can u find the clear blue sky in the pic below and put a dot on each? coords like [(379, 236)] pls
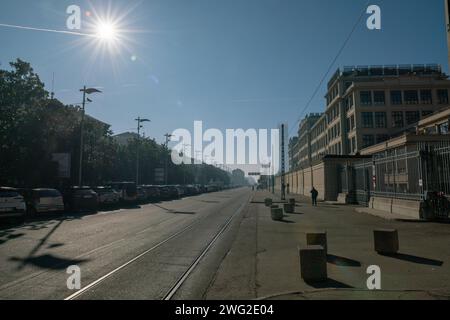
[(230, 63)]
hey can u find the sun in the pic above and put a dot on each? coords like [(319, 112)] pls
[(106, 31)]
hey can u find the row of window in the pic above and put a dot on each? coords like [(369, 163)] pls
[(399, 119), (398, 97), (370, 139)]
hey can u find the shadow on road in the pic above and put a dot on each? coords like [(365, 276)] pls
[(173, 211), (48, 261), (342, 262), (415, 259), (329, 283)]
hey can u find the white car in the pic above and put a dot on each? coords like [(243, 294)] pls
[(45, 200), (12, 204)]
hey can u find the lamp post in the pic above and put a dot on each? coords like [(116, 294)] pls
[(139, 121), (85, 91), (166, 158)]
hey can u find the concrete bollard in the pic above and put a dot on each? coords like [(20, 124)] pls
[(292, 201), (313, 263), (268, 202), (277, 214), (386, 241), (317, 239), (288, 208)]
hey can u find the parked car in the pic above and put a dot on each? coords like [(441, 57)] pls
[(12, 204), (81, 199), (181, 191), (141, 195), (164, 192), (127, 191), (44, 201), (173, 192), (152, 192), (107, 196)]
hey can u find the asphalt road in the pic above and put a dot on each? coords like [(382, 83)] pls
[(136, 253)]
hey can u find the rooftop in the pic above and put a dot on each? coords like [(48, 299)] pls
[(388, 71)]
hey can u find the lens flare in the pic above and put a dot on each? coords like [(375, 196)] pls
[(106, 31)]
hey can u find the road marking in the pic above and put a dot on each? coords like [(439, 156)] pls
[(183, 278)]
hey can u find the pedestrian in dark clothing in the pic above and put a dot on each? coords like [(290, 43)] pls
[(314, 195)]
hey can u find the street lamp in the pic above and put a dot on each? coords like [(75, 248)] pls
[(139, 121), (166, 158), (85, 92)]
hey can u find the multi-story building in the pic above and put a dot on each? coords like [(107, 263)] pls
[(447, 20), (369, 105)]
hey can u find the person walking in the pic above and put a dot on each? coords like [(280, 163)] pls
[(314, 195)]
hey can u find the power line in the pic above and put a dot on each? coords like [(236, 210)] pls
[(330, 67)]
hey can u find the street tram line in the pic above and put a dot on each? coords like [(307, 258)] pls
[(185, 275)]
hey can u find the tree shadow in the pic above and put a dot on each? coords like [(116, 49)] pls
[(342, 262), (414, 259), (48, 261), (173, 211), (329, 283)]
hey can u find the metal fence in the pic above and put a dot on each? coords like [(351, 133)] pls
[(419, 173)]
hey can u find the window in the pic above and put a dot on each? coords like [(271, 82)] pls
[(351, 123), (442, 96), (382, 138), (380, 120), (411, 97), (426, 97), (366, 98), (379, 98), (397, 119), (443, 128), (368, 140), (367, 119), (412, 117), (426, 113), (396, 98)]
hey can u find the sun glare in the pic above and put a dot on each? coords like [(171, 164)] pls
[(106, 31)]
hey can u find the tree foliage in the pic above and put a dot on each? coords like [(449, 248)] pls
[(33, 127)]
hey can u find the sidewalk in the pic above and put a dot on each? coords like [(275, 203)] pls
[(263, 262)]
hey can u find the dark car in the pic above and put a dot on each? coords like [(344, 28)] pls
[(173, 192), (164, 192), (152, 192), (81, 199)]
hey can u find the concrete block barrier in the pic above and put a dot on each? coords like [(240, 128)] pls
[(313, 264), (386, 241), (277, 214), (317, 239), (289, 208)]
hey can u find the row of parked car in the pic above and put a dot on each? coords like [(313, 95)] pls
[(16, 202)]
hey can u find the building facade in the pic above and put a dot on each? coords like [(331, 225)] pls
[(369, 105)]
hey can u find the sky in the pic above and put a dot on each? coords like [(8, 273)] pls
[(229, 63)]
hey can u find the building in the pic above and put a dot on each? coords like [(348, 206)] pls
[(124, 139), (447, 21), (369, 105)]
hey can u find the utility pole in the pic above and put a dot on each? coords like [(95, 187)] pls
[(283, 168), (166, 158), (139, 121), (80, 165)]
